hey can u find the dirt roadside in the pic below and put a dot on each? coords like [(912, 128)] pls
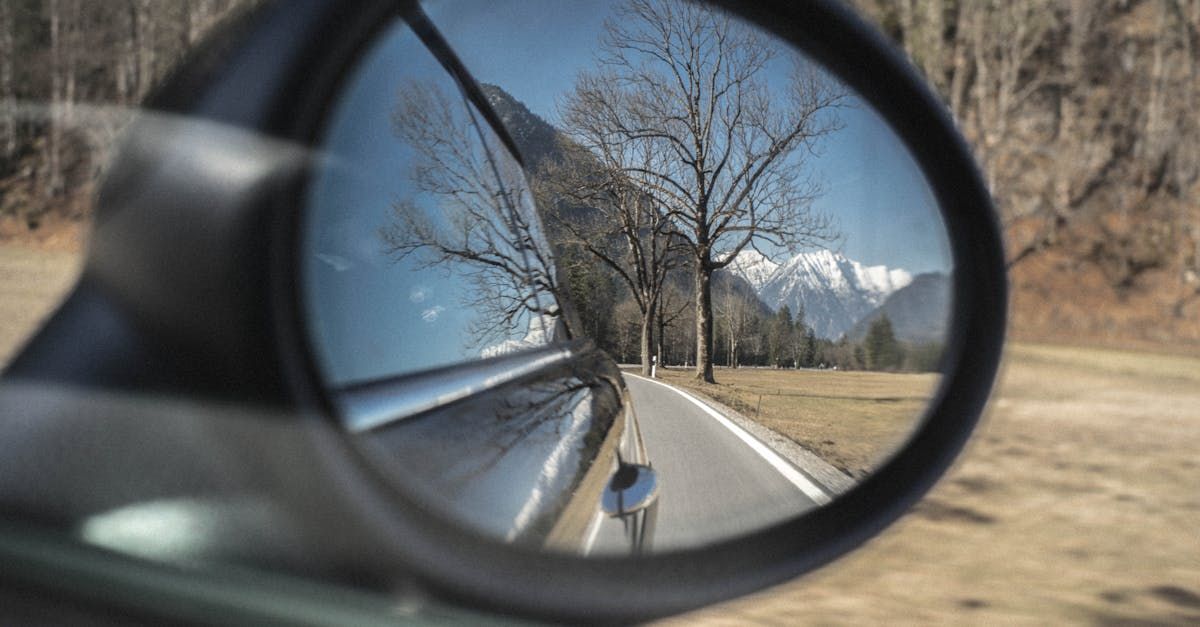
[(1075, 503), (33, 281)]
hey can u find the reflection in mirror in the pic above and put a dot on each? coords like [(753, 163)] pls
[(688, 198), (453, 251)]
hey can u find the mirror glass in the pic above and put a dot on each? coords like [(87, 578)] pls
[(617, 277)]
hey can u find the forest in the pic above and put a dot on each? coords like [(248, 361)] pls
[(72, 72), (1081, 115)]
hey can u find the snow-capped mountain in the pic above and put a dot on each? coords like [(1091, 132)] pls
[(834, 291), (753, 266)]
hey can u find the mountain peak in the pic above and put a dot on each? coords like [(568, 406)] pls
[(535, 138), (754, 267), (833, 290)]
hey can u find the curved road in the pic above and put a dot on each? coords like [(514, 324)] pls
[(715, 480)]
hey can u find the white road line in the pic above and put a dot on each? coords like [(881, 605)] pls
[(785, 468), (593, 531)]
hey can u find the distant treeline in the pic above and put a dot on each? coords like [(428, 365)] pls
[(70, 73), (1082, 114), (749, 334)]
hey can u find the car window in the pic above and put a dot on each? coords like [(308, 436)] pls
[(422, 247)]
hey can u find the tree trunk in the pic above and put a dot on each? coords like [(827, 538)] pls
[(704, 328), (660, 336), (933, 31), (8, 116), (198, 18), (52, 174), (729, 349), (647, 345), (145, 48)]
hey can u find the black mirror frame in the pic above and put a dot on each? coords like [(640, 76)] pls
[(282, 80)]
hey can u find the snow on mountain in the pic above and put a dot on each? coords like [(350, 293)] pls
[(540, 332), (753, 266), (835, 292)]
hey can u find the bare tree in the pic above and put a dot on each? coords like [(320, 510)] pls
[(672, 306), (687, 86), (626, 316), (621, 227), (486, 229), (1005, 37), (52, 182), (62, 62), (736, 313)]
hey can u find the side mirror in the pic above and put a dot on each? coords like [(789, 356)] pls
[(633, 488), (364, 287)]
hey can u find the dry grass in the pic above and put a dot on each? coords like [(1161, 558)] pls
[(33, 280), (853, 420), (1078, 502)]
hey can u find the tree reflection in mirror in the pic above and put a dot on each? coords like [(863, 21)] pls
[(689, 198)]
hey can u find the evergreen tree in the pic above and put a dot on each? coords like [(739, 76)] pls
[(779, 338), (797, 337), (882, 350), (811, 355)]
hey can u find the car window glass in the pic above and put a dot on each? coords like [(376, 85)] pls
[(422, 248)]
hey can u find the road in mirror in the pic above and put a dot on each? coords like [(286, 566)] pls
[(647, 182)]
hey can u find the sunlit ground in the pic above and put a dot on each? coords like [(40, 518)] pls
[(1078, 501), (32, 283)]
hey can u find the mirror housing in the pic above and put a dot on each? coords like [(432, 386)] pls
[(275, 76), (632, 488)]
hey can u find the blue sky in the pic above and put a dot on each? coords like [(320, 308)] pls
[(535, 48), (372, 315)]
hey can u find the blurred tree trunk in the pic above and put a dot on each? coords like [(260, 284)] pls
[(960, 79), (52, 162), (145, 50), (65, 49), (199, 15), (8, 113)]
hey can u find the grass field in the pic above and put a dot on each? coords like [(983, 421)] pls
[(853, 420), (1077, 502)]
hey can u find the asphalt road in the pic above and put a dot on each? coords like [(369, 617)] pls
[(715, 480)]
